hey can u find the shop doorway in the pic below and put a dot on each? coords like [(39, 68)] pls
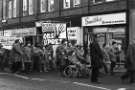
[(28, 39), (107, 35)]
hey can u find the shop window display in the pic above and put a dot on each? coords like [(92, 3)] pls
[(109, 35)]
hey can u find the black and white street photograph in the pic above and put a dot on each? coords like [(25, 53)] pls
[(67, 44)]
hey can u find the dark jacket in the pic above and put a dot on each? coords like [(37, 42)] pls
[(130, 60), (16, 53), (96, 55), (61, 55)]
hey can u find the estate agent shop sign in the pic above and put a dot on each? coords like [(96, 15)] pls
[(106, 19)]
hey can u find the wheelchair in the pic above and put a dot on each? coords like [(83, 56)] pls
[(75, 71)]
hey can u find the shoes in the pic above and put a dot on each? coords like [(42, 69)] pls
[(96, 82), (131, 81)]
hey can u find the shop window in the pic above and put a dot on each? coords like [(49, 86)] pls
[(14, 8), (76, 3), (28, 7), (4, 9), (43, 6), (31, 7), (0, 9), (66, 4), (98, 1), (25, 7), (108, 35), (110, 0), (10, 8), (50, 5)]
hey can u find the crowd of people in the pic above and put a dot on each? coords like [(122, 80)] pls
[(28, 58)]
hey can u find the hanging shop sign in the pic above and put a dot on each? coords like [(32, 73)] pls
[(21, 32), (72, 32), (7, 42), (75, 33), (106, 19), (66, 4)]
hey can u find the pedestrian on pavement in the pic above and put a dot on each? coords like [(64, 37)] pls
[(2, 52), (16, 55), (106, 58), (96, 60), (112, 55), (50, 59), (45, 61), (61, 55), (37, 57), (28, 57), (130, 63)]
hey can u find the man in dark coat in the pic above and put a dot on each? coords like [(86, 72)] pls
[(61, 56), (96, 60), (130, 63)]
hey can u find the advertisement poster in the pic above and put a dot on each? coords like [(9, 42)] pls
[(21, 32), (25, 7), (31, 10), (14, 8), (76, 3), (7, 42), (50, 5), (43, 6), (66, 4)]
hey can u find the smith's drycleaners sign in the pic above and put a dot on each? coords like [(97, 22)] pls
[(106, 19)]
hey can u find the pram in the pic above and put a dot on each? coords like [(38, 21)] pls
[(76, 68)]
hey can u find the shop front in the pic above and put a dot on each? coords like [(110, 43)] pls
[(24, 34), (107, 28)]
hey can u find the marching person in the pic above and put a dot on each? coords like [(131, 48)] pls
[(106, 58), (16, 55), (2, 51), (37, 57), (27, 57), (112, 55), (61, 56)]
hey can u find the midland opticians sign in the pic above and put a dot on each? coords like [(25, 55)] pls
[(105, 19)]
